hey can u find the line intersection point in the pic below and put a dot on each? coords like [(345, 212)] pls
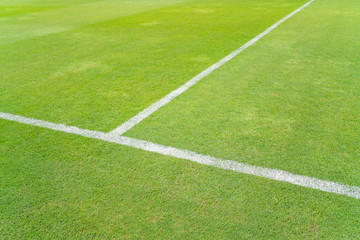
[(168, 98), (274, 174)]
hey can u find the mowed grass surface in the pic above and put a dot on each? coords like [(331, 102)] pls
[(272, 106), (291, 101), (28, 19), (99, 75), (60, 186)]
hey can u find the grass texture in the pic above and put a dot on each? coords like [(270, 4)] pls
[(289, 102)]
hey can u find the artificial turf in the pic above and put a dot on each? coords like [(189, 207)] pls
[(290, 102)]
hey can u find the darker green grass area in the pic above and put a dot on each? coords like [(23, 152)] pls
[(60, 186), (289, 102), (100, 75)]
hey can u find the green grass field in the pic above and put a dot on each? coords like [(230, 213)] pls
[(291, 102)]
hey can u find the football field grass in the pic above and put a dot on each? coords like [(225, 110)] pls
[(288, 102)]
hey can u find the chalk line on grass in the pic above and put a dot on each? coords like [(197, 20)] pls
[(168, 98), (274, 174)]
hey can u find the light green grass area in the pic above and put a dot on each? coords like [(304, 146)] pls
[(28, 19), (60, 186), (99, 75), (290, 102)]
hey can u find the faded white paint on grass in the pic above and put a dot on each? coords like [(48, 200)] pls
[(274, 174), (154, 107)]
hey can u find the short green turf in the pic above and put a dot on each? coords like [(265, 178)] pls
[(290, 102), (61, 186), (99, 75)]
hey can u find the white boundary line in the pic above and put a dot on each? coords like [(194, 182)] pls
[(154, 107), (274, 174)]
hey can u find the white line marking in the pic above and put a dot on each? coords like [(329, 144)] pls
[(274, 174), (154, 107)]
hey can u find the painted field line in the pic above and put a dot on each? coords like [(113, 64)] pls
[(274, 174), (154, 107)]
